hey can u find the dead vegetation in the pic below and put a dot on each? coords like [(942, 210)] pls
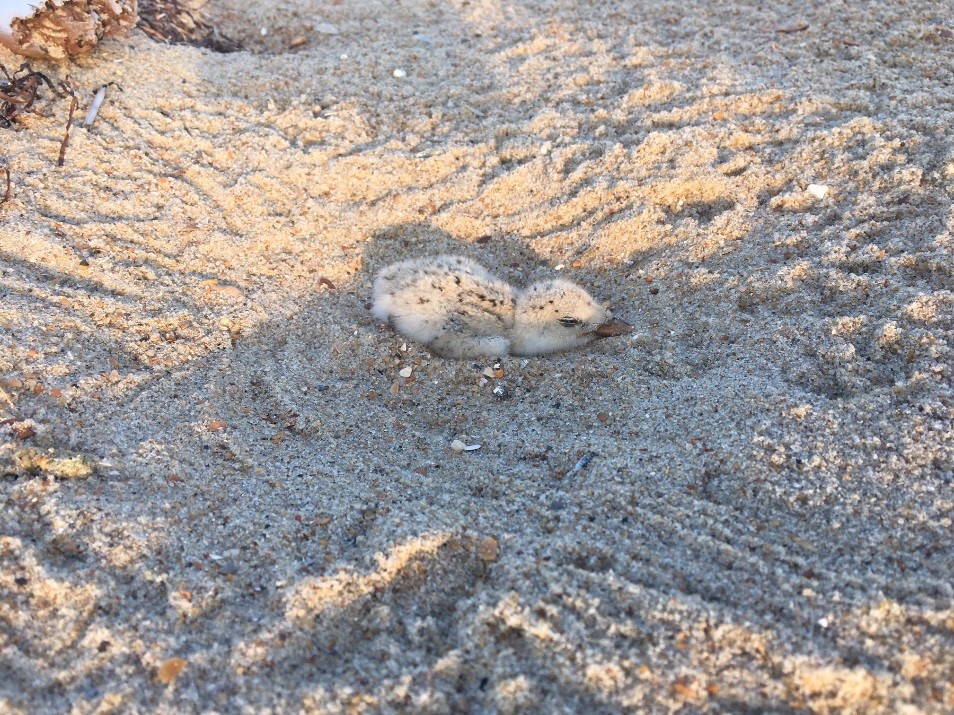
[(182, 22), (20, 92)]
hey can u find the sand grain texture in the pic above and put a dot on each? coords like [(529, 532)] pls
[(265, 516)]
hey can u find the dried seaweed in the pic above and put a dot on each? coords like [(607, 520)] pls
[(182, 22), (60, 29), (19, 93), (18, 96)]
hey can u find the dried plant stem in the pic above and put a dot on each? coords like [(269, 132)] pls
[(74, 103), (9, 191)]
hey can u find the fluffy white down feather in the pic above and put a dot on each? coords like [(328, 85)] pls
[(459, 309)]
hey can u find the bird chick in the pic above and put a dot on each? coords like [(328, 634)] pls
[(459, 309)]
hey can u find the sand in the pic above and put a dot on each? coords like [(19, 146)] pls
[(219, 495)]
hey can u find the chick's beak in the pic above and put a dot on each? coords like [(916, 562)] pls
[(612, 329)]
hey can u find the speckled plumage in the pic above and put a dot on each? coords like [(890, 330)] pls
[(459, 309)]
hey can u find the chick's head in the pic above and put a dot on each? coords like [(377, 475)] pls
[(556, 315)]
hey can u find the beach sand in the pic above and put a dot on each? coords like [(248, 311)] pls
[(220, 495)]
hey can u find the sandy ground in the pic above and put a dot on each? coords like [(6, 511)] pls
[(219, 495)]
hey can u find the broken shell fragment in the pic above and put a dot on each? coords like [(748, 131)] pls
[(57, 29)]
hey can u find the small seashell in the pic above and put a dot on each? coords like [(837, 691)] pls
[(819, 191), (399, 73), (406, 372), (458, 446), (488, 372), (326, 28), (471, 447)]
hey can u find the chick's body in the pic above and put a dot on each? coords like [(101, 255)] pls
[(459, 309), (450, 303)]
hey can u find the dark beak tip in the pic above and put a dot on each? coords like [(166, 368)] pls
[(613, 328)]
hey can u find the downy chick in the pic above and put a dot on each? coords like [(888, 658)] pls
[(459, 309)]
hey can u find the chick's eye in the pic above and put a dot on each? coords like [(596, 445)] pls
[(570, 322)]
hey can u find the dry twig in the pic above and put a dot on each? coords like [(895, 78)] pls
[(9, 191), (74, 103)]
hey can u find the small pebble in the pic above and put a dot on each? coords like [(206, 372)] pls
[(406, 372), (171, 669), (399, 73), (488, 549), (819, 191), (326, 28)]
